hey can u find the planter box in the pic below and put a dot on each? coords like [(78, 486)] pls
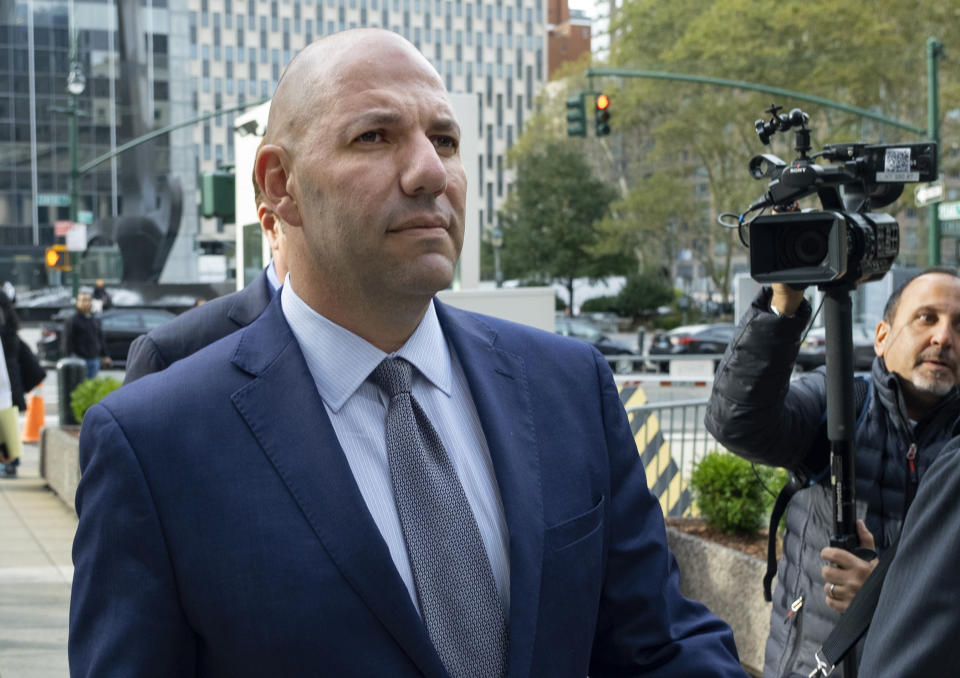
[(60, 460), (730, 583)]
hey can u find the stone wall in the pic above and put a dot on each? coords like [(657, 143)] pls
[(60, 461), (730, 583)]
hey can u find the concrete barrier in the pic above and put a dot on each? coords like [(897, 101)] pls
[(60, 460), (730, 584)]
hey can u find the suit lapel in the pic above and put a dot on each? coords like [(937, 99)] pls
[(311, 463), (498, 384), (250, 302)]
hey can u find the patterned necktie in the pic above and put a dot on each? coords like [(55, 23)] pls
[(459, 600)]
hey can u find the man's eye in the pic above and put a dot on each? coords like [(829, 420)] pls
[(444, 141), (370, 137)]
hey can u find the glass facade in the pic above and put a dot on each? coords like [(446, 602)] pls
[(201, 55)]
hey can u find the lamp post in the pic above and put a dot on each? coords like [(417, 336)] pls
[(496, 239), (76, 83)]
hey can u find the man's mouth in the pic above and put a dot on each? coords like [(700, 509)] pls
[(937, 361), (424, 223)]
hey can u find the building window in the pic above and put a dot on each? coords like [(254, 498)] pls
[(489, 146)]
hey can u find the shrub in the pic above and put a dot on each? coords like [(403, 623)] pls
[(600, 305), (89, 392), (730, 495), (643, 293)]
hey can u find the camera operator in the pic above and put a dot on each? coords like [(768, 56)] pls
[(912, 411)]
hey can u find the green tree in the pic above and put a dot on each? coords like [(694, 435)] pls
[(643, 293), (549, 221), (868, 54)]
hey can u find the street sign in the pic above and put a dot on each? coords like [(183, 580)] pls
[(62, 227), (85, 216), (926, 194), (948, 211), (77, 238), (53, 200)]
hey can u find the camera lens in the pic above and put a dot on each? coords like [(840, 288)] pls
[(805, 246)]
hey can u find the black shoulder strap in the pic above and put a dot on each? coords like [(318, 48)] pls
[(793, 485), (861, 391), (853, 623)]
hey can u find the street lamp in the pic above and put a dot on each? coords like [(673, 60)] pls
[(76, 83), (496, 239)]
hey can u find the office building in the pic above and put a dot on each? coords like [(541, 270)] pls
[(196, 56)]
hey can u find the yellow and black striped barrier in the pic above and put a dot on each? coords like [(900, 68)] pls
[(663, 475)]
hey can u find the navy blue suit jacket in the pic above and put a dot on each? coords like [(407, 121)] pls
[(222, 533), (196, 328)]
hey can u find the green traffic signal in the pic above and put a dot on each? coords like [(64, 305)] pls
[(576, 117)]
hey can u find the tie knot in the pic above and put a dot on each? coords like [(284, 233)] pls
[(393, 375)]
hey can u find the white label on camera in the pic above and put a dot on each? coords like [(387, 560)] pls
[(896, 166)]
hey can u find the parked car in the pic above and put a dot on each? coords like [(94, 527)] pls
[(691, 340), (120, 327), (585, 331), (813, 350)]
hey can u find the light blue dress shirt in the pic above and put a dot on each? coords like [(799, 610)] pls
[(340, 363), (273, 279)]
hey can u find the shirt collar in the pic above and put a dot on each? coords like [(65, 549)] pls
[(272, 278), (340, 361)]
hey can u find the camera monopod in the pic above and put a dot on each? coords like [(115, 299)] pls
[(841, 424)]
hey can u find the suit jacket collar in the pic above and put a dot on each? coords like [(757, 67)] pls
[(311, 463), (249, 302)]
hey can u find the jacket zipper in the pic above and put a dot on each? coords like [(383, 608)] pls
[(912, 479)]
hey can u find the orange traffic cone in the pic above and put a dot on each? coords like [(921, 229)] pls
[(36, 411)]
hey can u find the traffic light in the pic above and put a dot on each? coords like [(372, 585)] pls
[(217, 191), (58, 258), (576, 117), (602, 115)]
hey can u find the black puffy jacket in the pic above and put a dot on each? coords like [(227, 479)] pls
[(758, 413)]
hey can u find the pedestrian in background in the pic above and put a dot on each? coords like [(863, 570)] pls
[(101, 298), (83, 336), (198, 327), (20, 372)]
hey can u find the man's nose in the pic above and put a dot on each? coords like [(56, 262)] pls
[(423, 170), (944, 334)]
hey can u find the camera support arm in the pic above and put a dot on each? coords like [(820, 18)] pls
[(841, 424)]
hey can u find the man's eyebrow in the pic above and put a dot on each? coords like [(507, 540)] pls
[(377, 118), (446, 124), (385, 118)]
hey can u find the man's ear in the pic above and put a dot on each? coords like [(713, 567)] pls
[(268, 223), (879, 340), (271, 168)]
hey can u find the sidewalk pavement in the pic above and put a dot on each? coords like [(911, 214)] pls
[(36, 534)]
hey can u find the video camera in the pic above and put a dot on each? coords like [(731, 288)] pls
[(844, 243)]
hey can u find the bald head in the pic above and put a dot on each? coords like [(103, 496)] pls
[(303, 92)]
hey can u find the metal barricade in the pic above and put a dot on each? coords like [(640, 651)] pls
[(671, 438)]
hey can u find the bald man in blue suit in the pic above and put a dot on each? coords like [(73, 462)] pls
[(236, 516)]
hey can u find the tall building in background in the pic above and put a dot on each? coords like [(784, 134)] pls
[(199, 56), (568, 34)]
